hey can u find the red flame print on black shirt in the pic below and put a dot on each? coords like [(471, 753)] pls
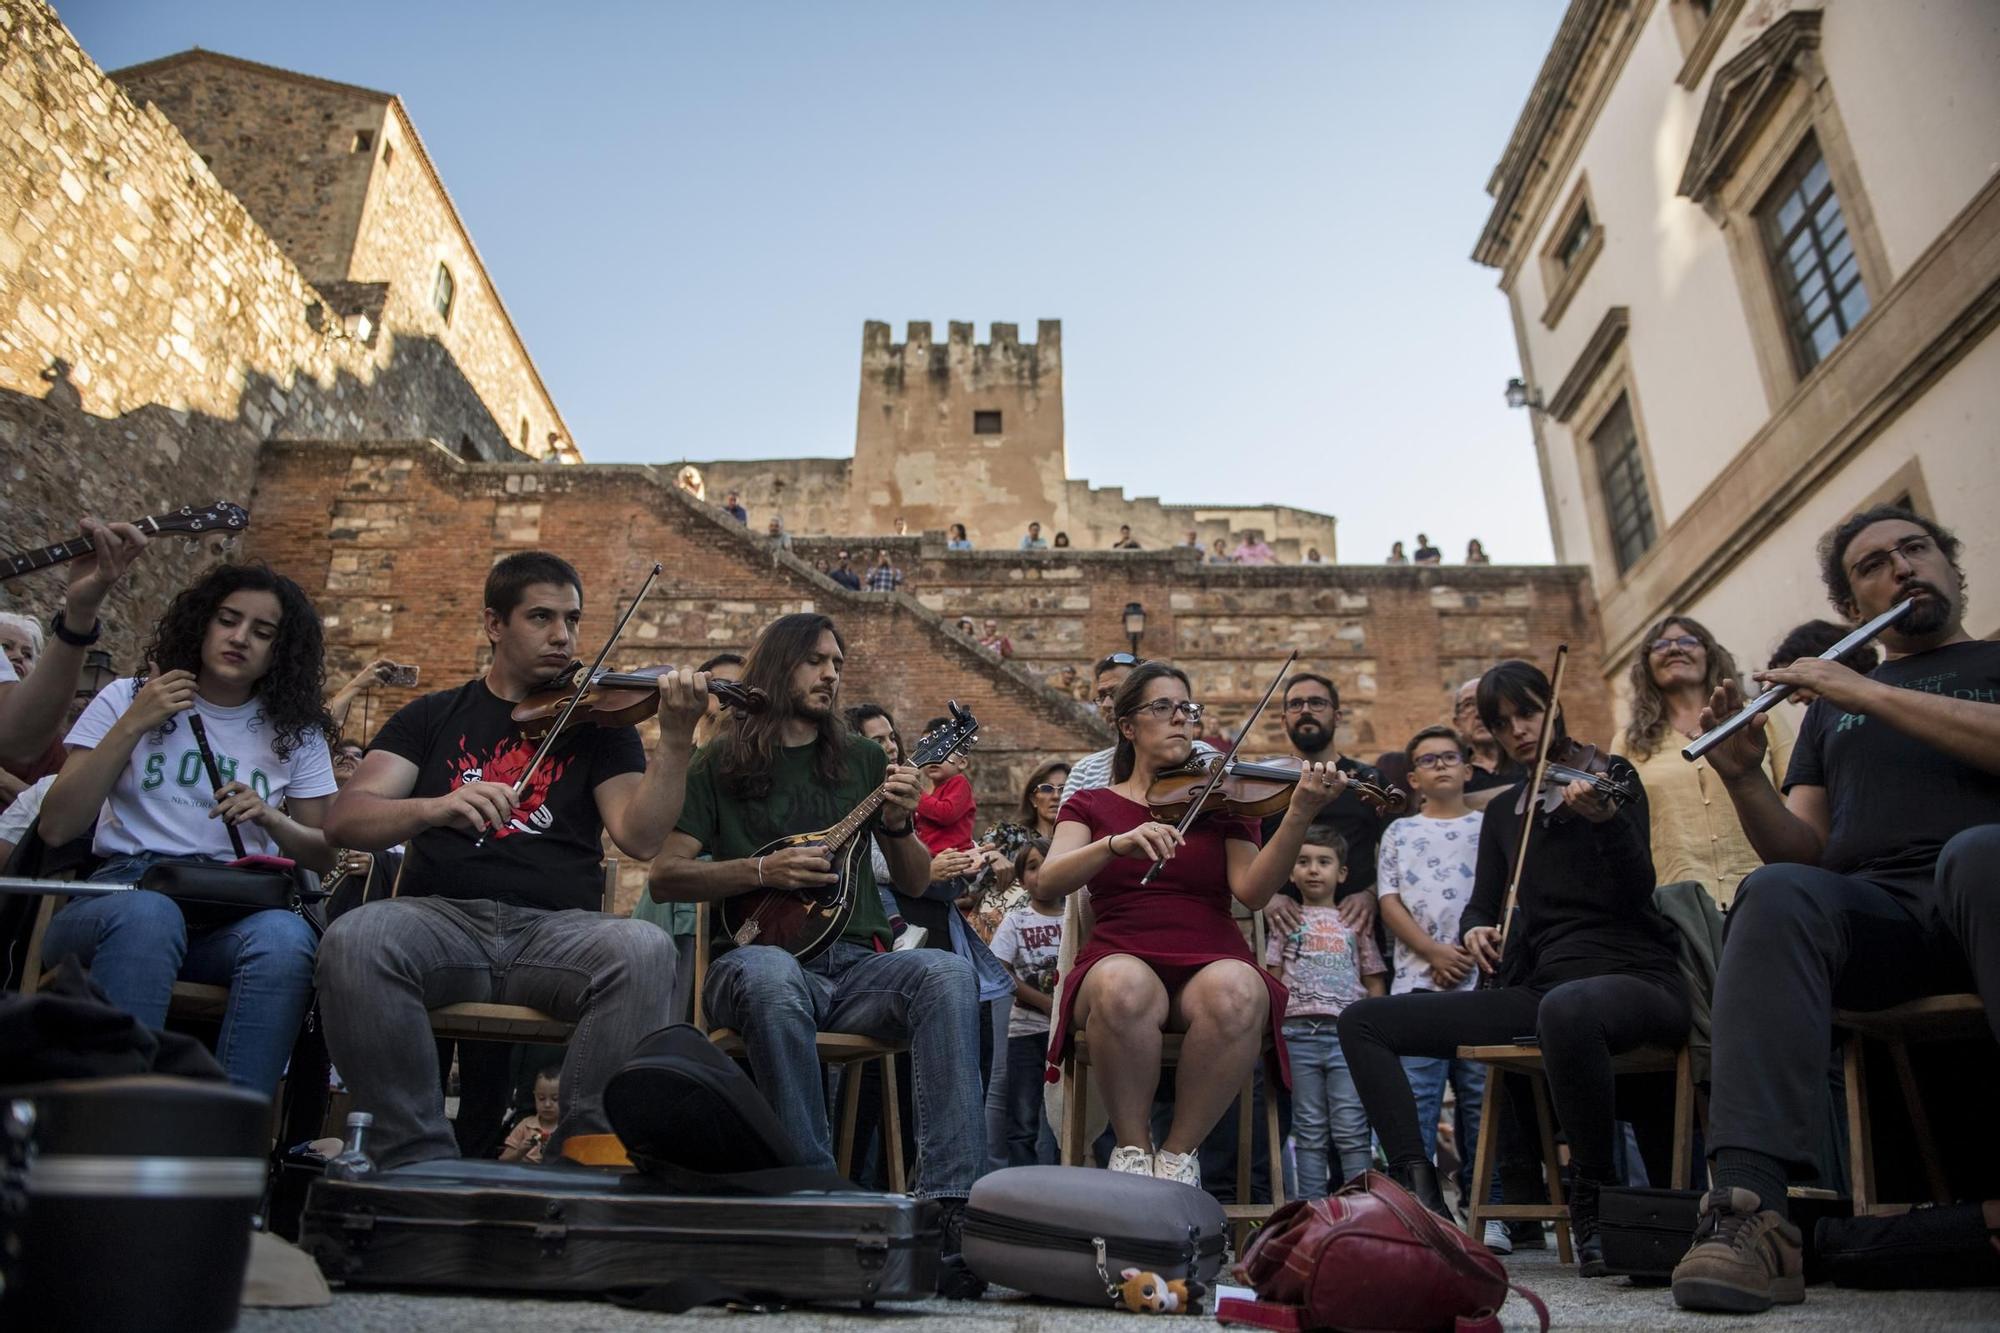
[(505, 766)]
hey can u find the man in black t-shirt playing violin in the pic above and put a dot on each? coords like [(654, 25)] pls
[(499, 895), (1881, 882)]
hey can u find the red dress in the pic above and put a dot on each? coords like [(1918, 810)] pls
[(1177, 925)]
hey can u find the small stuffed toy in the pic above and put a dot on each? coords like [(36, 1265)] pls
[(1149, 1293)]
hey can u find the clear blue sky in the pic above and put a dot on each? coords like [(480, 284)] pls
[(1252, 219)]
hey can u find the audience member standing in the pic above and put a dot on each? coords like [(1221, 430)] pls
[(1491, 767), (1475, 554), (1252, 550), (843, 573), (1325, 966), (993, 641), (1396, 556), (732, 505), (885, 577), (1125, 541), (957, 540), (1028, 943), (1033, 540), (1312, 724), (1696, 833), (1426, 553), (1218, 553), (1424, 877), (1313, 557)]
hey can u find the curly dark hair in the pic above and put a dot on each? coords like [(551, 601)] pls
[(1833, 549), (292, 693)]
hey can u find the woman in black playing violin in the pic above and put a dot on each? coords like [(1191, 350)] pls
[(1590, 966)]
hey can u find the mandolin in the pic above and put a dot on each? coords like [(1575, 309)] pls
[(222, 516), (806, 922)]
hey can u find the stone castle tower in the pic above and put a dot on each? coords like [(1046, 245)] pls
[(940, 424)]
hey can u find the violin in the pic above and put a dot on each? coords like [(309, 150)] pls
[(1570, 761), (615, 699), (1251, 790)]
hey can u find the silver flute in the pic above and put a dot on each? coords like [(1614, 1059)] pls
[(1777, 694)]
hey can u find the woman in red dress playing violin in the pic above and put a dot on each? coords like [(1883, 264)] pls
[(1166, 956)]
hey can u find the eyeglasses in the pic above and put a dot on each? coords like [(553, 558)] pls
[(1162, 709), (1910, 548), (1045, 789), (1687, 641), (1439, 759), (1308, 705)]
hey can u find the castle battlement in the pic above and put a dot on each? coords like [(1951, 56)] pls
[(960, 363)]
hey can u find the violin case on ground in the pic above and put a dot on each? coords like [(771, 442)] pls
[(1068, 1233), (717, 1208), (561, 1228)]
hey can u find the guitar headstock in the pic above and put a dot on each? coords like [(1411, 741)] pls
[(957, 735), (221, 516)]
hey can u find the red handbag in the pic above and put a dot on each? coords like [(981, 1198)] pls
[(1370, 1257)]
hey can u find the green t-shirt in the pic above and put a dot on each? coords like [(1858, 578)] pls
[(800, 802)]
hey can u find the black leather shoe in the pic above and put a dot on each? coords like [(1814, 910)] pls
[(1421, 1180), (1583, 1228)]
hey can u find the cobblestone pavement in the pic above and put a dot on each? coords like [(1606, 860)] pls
[(1573, 1303)]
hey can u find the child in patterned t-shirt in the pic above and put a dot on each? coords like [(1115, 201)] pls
[(1326, 967)]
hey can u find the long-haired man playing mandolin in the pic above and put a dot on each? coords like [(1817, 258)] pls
[(499, 893), (795, 769)]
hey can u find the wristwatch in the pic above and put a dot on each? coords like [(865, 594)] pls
[(902, 832), (71, 637)]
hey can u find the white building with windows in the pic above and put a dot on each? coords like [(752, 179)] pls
[(1752, 252)]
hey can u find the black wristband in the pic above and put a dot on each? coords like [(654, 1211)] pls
[(902, 832), (71, 637)]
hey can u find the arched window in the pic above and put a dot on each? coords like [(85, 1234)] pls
[(443, 291)]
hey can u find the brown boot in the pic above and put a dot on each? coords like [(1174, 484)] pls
[(1743, 1260)]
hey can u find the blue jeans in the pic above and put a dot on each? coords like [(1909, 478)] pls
[(928, 996), (1027, 1126), (1327, 1117), (1427, 1077), (138, 944)]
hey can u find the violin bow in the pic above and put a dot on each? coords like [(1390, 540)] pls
[(576, 696), (1541, 769), (1221, 770)]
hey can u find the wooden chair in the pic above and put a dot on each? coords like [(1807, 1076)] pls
[(1933, 1018), (479, 1021), (1077, 1122), (849, 1052), (1510, 1059)]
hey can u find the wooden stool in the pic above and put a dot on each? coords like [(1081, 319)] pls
[(1933, 1018), (1501, 1060)]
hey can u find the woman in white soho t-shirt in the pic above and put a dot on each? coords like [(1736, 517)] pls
[(243, 649)]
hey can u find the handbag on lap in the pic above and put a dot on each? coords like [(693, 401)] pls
[(1370, 1257)]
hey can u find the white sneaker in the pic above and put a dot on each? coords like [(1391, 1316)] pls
[(1184, 1167), (1497, 1239), (1132, 1161), (913, 937)]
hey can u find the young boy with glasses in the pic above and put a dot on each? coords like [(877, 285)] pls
[(1424, 874)]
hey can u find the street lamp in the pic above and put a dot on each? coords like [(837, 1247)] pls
[(97, 672), (1135, 624), (1520, 395)]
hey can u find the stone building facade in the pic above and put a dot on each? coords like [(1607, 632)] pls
[(154, 332), (970, 432), (338, 176), (1752, 251)]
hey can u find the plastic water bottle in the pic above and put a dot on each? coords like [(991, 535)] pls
[(354, 1163)]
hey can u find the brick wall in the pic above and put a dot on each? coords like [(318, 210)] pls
[(393, 540), (1396, 641)]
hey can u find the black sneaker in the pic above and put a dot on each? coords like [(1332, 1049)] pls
[(956, 1282), (1527, 1234)]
